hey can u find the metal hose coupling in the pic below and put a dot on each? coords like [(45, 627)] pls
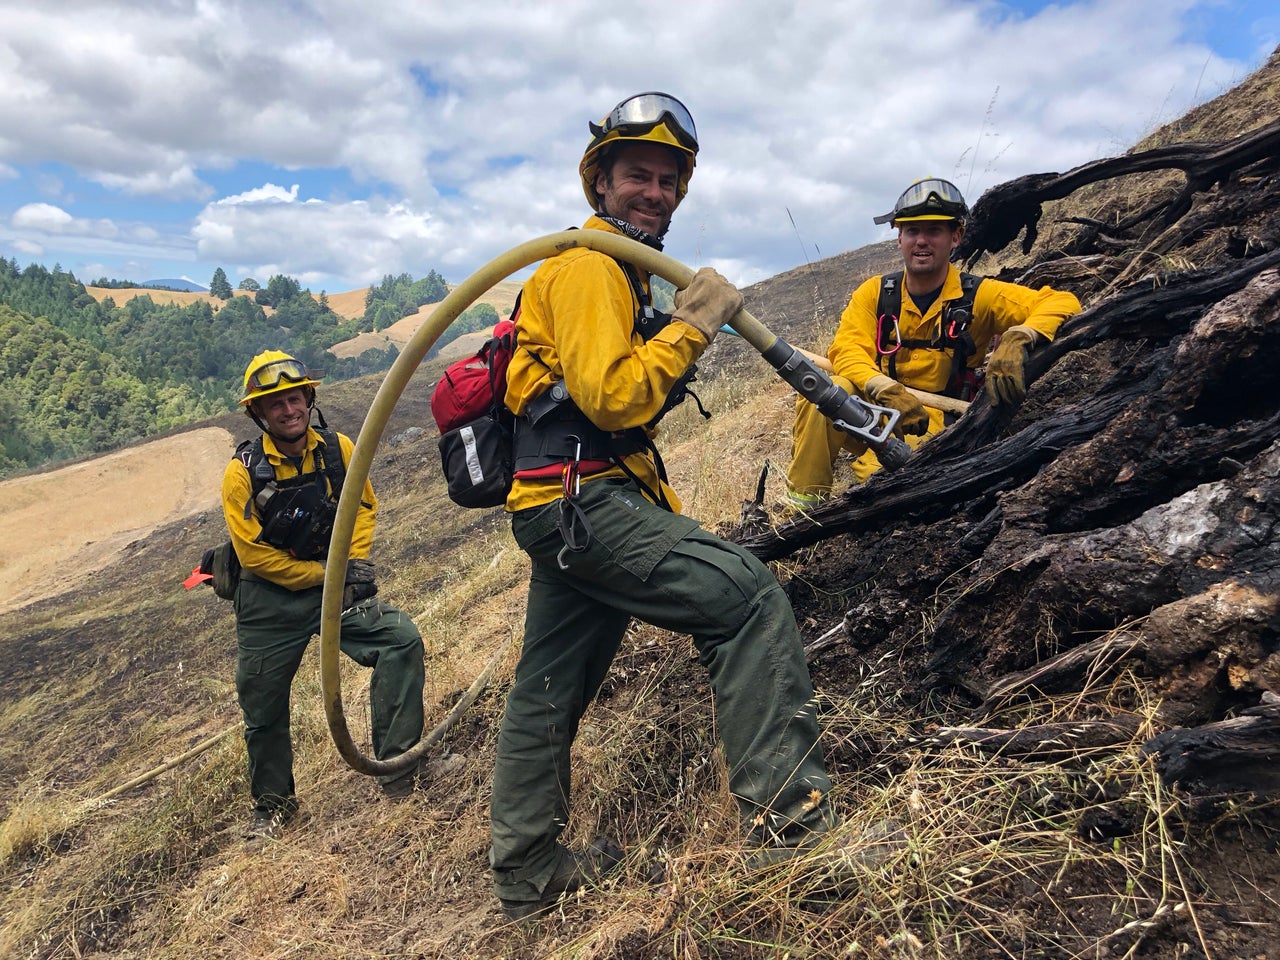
[(853, 415)]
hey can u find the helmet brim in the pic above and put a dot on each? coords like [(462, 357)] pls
[(926, 216), (279, 388)]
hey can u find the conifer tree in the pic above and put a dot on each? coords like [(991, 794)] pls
[(219, 286)]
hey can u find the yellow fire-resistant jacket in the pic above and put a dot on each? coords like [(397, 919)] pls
[(577, 324), (997, 307), (272, 563)]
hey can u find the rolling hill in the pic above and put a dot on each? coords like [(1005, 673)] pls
[(349, 304)]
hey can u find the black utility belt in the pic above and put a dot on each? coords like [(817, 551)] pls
[(568, 439)]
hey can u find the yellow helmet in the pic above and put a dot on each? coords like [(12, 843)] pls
[(272, 371), (648, 117), (929, 199)]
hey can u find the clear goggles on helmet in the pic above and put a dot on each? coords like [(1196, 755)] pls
[(931, 196), (269, 375), (641, 113)]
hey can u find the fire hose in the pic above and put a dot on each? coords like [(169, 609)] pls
[(868, 422), (935, 400)]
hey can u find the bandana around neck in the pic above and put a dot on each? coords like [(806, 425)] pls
[(635, 233)]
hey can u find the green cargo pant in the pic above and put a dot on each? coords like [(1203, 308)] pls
[(273, 627), (661, 568)]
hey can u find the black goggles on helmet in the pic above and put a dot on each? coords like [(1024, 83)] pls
[(269, 375), (928, 197), (641, 113)]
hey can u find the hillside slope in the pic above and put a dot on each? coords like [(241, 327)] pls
[(148, 485), (1080, 853), (348, 303), (501, 296)]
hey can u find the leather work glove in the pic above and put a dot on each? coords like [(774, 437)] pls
[(707, 303), (913, 419), (360, 583), (1005, 382)]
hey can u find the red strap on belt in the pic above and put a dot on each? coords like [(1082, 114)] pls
[(555, 471)]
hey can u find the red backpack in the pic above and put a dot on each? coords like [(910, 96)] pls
[(468, 404), (476, 385)]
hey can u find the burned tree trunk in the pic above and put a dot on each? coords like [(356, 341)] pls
[(1045, 742), (967, 465), (1016, 207), (1171, 496), (1125, 517), (1235, 755)]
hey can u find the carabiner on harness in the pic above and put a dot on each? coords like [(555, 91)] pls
[(959, 316), (575, 529), (882, 346)]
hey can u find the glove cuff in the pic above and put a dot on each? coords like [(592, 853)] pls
[(878, 384), (1023, 334)]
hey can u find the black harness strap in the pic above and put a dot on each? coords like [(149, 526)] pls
[(952, 333), (261, 473)]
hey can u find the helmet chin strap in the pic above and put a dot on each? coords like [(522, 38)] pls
[(288, 440)]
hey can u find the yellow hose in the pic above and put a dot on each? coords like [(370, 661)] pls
[(466, 293), (150, 775)]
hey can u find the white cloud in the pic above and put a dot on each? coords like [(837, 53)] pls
[(45, 218), (42, 216), (175, 182), (266, 192), (437, 136), (43, 229), (361, 240)]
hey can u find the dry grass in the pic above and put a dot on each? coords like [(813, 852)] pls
[(180, 298), (989, 862), (994, 858)]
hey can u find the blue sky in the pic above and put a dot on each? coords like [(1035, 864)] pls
[(337, 142)]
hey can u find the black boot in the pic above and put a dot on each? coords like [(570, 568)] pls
[(574, 871)]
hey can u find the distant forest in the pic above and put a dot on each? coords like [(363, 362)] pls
[(80, 377)]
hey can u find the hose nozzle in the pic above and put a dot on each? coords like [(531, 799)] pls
[(868, 422)]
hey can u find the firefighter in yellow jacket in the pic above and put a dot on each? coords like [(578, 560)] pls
[(595, 367), (929, 328), (278, 499)]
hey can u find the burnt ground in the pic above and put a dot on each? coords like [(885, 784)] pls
[(1118, 532)]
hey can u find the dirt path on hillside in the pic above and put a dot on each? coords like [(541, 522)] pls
[(501, 296), (58, 528)]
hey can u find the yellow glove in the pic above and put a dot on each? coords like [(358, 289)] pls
[(1005, 382), (707, 303), (890, 393)]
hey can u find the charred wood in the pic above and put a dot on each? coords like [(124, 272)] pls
[(1241, 754), (1156, 496), (1067, 586), (1089, 661), (1047, 742), (963, 465), (1005, 211)]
